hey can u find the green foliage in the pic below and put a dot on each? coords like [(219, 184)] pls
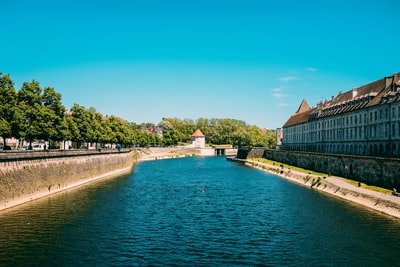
[(8, 108), (369, 187), (38, 113), (217, 131)]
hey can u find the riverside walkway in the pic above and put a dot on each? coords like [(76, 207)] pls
[(335, 186)]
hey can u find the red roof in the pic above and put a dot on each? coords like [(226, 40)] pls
[(198, 133)]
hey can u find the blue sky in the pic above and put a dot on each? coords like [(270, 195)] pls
[(250, 60)]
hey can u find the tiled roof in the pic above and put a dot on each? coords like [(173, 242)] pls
[(198, 133), (303, 106), (299, 117), (384, 90)]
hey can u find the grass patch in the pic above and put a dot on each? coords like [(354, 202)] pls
[(307, 178), (294, 168), (370, 187)]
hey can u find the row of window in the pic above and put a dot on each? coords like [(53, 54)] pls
[(353, 133), (377, 149), (359, 119), (360, 126)]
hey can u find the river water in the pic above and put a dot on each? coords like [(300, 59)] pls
[(196, 211)]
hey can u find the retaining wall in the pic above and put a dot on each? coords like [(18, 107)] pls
[(382, 172), (27, 177)]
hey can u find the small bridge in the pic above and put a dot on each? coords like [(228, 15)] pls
[(224, 151)]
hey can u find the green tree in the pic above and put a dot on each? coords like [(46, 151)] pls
[(106, 132), (241, 138), (30, 100), (170, 138), (8, 108), (120, 130), (170, 135), (42, 112), (68, 130), (82, 119), (54, 114), (95, 119)]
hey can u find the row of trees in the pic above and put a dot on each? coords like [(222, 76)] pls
[(217, 132), (34, 113)]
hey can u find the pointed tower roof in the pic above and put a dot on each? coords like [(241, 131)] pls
[(303, 107), (198, 133)]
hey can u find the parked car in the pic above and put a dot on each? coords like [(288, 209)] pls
[(38, 146)]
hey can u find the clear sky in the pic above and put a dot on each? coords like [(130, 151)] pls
[(251, 60)]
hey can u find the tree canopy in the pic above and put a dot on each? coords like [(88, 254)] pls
[(217, 132), (36, 113)]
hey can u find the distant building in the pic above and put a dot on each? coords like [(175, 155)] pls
[(198, 139), (279, 138), (361, 121)]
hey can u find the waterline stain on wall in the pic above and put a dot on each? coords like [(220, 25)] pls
[(22, 180)]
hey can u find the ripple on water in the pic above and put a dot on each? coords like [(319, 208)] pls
[(196, 212)]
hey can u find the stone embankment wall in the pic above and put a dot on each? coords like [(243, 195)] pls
[(383, 172), (34, 174)]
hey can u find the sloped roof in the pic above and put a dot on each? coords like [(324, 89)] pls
[(198, 133), (368, 95), (299, 118), (303, 107), (301, 114)]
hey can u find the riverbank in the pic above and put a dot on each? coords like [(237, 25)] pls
[(157, 153), (334, 186), (26, 179), (25, 199)]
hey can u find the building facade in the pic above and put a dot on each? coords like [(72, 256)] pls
[(363, 121)]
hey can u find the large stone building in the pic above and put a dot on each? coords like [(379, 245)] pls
[(361, 121)]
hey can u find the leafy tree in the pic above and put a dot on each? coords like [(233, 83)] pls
[(217, 132), (170, 134), (96, 119), (67, 129), (106, 133), (8, 108), (54, 111), (170, 138), (120, 130), (165, 125), (82, 119), (30, 94), (241, 138), (52, 102), (42, 112), (30, 100)]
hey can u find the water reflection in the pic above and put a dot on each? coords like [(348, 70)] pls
[(196, 211)]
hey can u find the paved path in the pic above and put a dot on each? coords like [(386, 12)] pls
[(339, 181), (337, 186)]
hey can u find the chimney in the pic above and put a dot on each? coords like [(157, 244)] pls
[(354, 92), (389, 81), (396, 78)]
